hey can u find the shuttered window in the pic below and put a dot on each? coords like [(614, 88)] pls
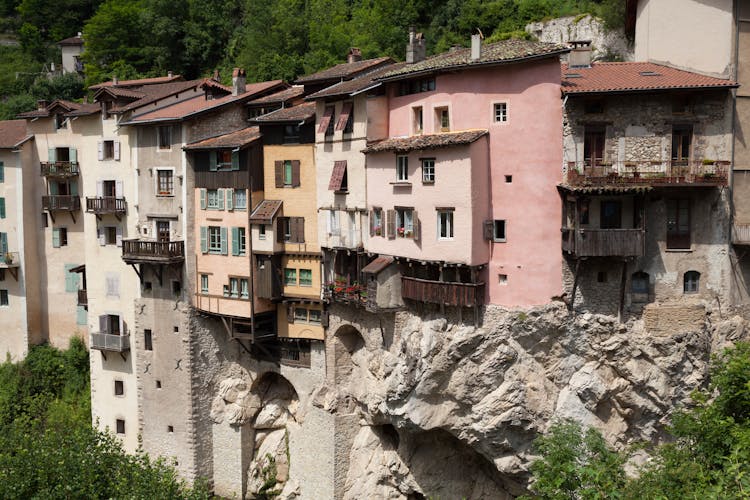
[(2, 171), (346, 112), (71, 279), (297, 229), (2, 208), (326, 119), (339, 181)]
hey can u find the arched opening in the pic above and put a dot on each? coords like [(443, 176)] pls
[(388, 435), (348, 345), (691, 282)]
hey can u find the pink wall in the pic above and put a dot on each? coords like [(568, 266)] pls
[(528, 147)]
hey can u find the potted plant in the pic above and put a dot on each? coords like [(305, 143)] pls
[(401, 231), (8, 258)]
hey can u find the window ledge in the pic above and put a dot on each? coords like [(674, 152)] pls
[(494, 240), (341, 191), (401, 183), (679, 250), (428, 182)]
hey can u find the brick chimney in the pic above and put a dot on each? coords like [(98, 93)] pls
[(354, 55), (238, 81), (580, 54), (415, 49)]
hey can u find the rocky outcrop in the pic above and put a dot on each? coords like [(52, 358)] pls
[(608, 45), (486, 392)]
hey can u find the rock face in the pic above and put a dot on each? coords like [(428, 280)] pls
[(476, 397), (607, 45)]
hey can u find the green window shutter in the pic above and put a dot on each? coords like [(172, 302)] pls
[(2, 208), (3, 243), (81, 316), (203, 199), (73, 188), (73, 154), (230, 195), (220, 197), (53, 188), (2, 171), (204, 239), (52, 154), (212, 161), (223, 235), (235, 241), (71, 279), (235, 160), (56, 238)]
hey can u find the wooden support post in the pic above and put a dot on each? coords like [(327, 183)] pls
[(623, 280), (575, 285)]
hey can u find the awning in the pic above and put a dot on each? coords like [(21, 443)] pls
[(265, 211)]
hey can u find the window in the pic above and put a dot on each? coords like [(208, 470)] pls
[(110, 324), (300, 314), (305, 277), (176, 288), (2, 171), (240, 199), (681, 139), (639, 282), (610, 214), (442, 117), (502, 279), (290, 230), (691, 282), (120, 426), (215, 199), (234, 287), (291, 134), (4, 298), (601, 277), (593, 145), (2, 208), (71, 279), (428, 170), (244, 289), (334, 224), (500, 112), (416, 86), (238, 241), (339, 178), (349, 126), (326, 122), (204, 283), (214, 239), (286, 224), (60, 121), (119, 388), (445, 224), (404, 222), (164, 182), (417, 123), (81, 315), (158, 384), (290, 276), (262, 232), (148, 340), (314, 316), (508, 179), (164, 136), (498, 230), (170, 428), (224, 159), (59, 237), (110, 235), (112, 285), (329, 127), (678, 224), (376, 222), (288, 173), (108, 150), (402, 168)]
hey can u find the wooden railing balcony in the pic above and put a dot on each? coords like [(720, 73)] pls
[(66, 202), (603, 242), (649, 173), (106, 205), (148, 251), (83, 299), (109, 342), (741, 234), (59, 168), (439, 292), (10, 259)]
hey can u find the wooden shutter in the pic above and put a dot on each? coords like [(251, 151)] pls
[(212, 161), (346, 110), (337, 176), (117, 150), (488, 229), (118, 230), (280, 230), (298, 229), (391, 224), (4, 242), (99, 235), (223, 237), (372, 222), (290, 313), (235, 160), (295, 173), (55, 238), (103, 324), (203, 199), (100, 150), (2, 171), (204, 239), (279, 171), (327, 117), (74, 188), (416, 226), (235, 241), (230, 199), (220, 198), (81, 315)]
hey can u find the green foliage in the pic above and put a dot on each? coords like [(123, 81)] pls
[(269, 473), (16, 104), (576, 463)]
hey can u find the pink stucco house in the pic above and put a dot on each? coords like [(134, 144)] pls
[(462, 193)]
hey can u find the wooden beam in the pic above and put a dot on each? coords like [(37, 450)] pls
[(623, 280), (575, 285)]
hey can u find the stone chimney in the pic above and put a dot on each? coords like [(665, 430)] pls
[(238, 81), (415, 49), (354, 55), (216, 76), (115, 80), (476, 46), (41, 105), (170, 74), (580, 54)]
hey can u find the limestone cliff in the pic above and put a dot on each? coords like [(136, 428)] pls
[(607, 44)]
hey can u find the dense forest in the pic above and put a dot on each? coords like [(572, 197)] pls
[(269, 38)]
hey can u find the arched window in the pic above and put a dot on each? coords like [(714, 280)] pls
[(691, 282), (639, 282)]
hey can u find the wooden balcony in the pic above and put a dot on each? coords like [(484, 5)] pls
[(60, 169), (102, 205), (603, 242), (59, 202), (741, 234), (438, 292), (153, 252), (109, 342), (83, 299), (649, 173)]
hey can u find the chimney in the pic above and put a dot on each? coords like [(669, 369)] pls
[(476, 46), (115, 80), (170, 74), (41, 105), (354, 55), (216, 75), (580, 54), (415, 49), (238, 81)]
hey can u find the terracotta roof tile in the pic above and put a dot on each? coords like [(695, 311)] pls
[(344, 71), (506, 51), (73, 40), (138, 83), (424, 142), (265, 211), (377, 265), (67, 106), (118, 92), (236, 139), (604, 77), (296, 113), (355, 85), (280, 97), (85, 109), (155, 92), (211, 83), (12, 133)]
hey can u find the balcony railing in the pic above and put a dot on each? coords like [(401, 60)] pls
[(10, 259), (59, 168), (83, 299), (106, 205), (109, 342), (61, 202), (650, 173), (603, 242), (355, 295), (439, 292), (145, 251)]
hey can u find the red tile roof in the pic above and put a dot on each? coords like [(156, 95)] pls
[(279, 97), (211, 83), (604, 77), (66, 106), (425, 142), (85, 109), (298, 113), (13, 133), (265, 211), (344, 71), (152, 93), (137, 83), (356, 85), (236, 139), (73, 40)]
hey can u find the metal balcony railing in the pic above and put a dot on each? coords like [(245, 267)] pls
[(109, 342), (59, 168)]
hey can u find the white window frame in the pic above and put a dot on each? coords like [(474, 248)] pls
[(445, 218), (405, 220), (261, 231), (204, 284), (156, 180), (210, 236), (417, 113), (237, 194), (495, 114), (495, 236), (428, 170), (402, 168), (212, 199)]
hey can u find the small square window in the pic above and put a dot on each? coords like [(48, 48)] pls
[(508, 179), (204, 283), (165, 137), (148, 340), (305, 277), (108, 150), (498, 230), (262, 232), (119, 388), (147, 286), (502, 279), (4, 298), (120, 426), (290, 276), (445, 224), (176, 329), (176, 288), (170, 428), (601, 277), (501, 112), (158, 384), (300, 314)]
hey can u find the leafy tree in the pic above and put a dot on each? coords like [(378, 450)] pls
[(14, 105)]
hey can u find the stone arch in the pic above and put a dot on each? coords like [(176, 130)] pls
[(348, 342)]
